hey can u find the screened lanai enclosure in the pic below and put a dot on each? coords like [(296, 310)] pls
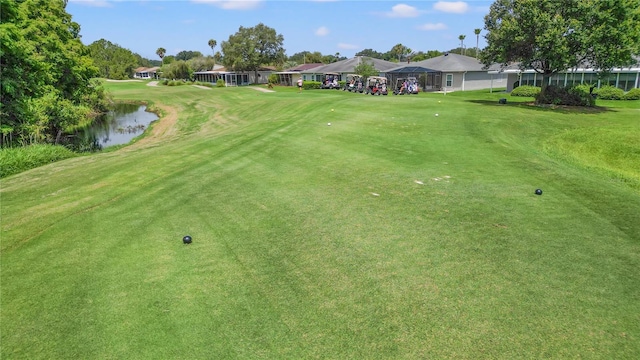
[(428, 79)]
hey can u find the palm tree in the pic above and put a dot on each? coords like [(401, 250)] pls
[(477, 32), (461, 38), (212, 44), (337, 56), (160, 52)]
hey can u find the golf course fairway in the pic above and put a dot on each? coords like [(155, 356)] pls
[(391, 234)]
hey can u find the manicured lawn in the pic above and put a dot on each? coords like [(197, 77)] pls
[(392, 233)]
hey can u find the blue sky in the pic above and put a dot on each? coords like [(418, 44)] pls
[(328, 26)]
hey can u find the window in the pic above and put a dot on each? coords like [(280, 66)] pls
[(449, 82)]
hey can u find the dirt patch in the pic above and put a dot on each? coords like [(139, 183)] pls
[(202, 87), (162, 129), (152, 83), (261, 89)]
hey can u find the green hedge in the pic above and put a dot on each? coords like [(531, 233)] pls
[(309, 85), (608, 92), (220, 83), (17, 160), (572, 96), (633, 94), (526, 91)]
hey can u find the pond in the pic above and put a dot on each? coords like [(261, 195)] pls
[(119, 126)]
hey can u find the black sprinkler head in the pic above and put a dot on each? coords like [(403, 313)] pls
[(186, 239), (538, 192)]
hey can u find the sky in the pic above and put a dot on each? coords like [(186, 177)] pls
[(327, 26)]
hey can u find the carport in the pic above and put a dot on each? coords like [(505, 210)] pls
[(432, 78)]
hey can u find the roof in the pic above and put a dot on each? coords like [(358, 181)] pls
[(348, 65), (410, 68), (303, 67), (144, 69), (452, 63)]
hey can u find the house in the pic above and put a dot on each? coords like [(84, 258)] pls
[(290, 76), (449, 72), (344, 67), (234, 78), (146, 73), (624, 78)]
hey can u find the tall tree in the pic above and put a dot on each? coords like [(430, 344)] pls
[(112, 60), (187, 55), (461, 38), (477, 32), (549, 36), (46, 85), (398, 51), (370, 53), (250, 48), (212, 44), (365, 69), (160, 52)]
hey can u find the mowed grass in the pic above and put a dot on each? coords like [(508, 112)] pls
[(390, 234)]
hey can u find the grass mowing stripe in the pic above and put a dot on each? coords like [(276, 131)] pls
[(294, 255)]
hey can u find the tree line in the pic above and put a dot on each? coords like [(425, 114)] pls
[(48, 81)]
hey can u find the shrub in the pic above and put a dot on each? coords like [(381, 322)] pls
[(16, 160), (273, 79), (220, 83), (608, 92), (571, 96), (308, 85), (526, 91), (164, 82), (342, 83), (633, 94)]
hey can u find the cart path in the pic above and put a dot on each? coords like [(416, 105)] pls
[(261, 89)]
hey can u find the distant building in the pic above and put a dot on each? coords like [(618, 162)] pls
[(146, 73), (623, 78), (449, 72)]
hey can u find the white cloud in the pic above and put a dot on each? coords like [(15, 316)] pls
[(431, 27), (403, 11), (322, 31), (348, 46), (232, 4), (458, 7), (95, 3)]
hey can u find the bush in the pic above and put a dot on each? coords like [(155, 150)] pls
[(571, 96), (16, 160), (526, 91), (633, 94), (608, 92), (220, 83), (308, 85), (273, 79), (164, 82), (342, 83)]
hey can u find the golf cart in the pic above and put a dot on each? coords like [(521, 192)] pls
[(354, 83), (406, 86), (376, 85), (330, 81)]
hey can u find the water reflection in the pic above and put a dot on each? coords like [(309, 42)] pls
[(119, 126)]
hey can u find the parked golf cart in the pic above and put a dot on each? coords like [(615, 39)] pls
[(406, 86), (354, 83), (330, 81), (376, 85)]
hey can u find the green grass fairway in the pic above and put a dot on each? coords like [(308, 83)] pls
[(391, 234)]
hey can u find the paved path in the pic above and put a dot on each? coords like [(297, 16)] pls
[(202, 87), (152, 83), (261, 89)]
